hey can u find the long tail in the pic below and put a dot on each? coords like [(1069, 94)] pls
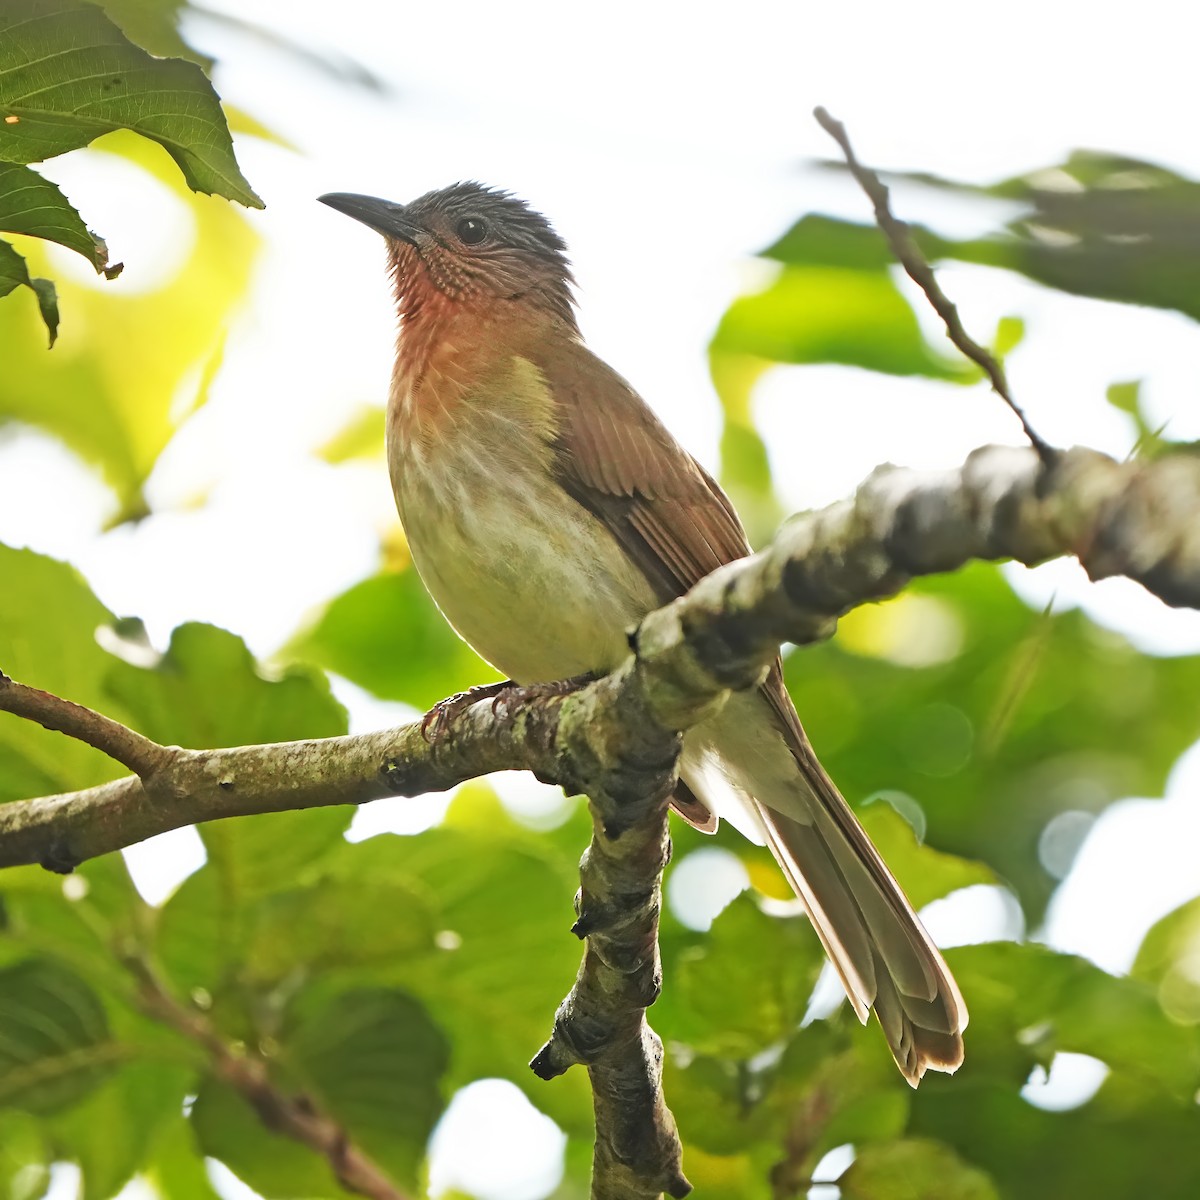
[(875, 941)]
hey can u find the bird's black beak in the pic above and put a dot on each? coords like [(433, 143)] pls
[(384, 216)]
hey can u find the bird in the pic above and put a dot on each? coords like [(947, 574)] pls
[(548, 509)]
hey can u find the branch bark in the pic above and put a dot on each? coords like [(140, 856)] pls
[(617, 739)]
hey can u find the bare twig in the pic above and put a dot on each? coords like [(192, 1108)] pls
[(295, 1117), (909, 255), (142, 756)]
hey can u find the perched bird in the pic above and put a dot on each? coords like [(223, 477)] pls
[(548, 510)]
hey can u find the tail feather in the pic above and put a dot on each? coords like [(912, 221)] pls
[(886, 960), (883, 955)]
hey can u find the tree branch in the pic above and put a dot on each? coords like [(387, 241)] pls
[(617, 739), (909, 255), (142, 756), (630, 773), (293, 1116)]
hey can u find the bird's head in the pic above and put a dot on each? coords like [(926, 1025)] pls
[(467, 245)]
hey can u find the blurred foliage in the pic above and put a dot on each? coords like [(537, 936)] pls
[(1099, 225), (378, 977), (134, 365), (386, 635), (1027, 716)]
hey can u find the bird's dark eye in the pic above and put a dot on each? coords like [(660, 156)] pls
[(471, 230)]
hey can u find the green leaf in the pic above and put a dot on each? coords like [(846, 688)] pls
[(227, 1128), (820, 241), (48, 618), (386, 635), (257, 855), (118, 410), (68, 75), (502, 909), (14, 274), (24, 1157), (200, 935), (348, 923), (370, 1058), (1127, 1141), (55, 1045), (1126, 397), (925, 874), (34, 206), (207, 934), (745, 465), (176, 1168), (914, 1170), (714, 1101), (154, 25), (1028, 1002), (824, 314), (1010, 333), (1014, 717), (724, 999), (110, 1134), (373, 1059), (825, 1089), (1098, 224), (77, 920), (1169, 960), (207, 691)]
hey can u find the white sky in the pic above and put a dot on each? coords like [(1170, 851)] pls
[(667, 142)]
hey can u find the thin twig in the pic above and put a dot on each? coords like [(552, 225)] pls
[(295, 1117), (122, 744), (908, 253)]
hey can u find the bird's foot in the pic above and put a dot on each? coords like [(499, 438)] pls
[(541, 691), (436, 722)]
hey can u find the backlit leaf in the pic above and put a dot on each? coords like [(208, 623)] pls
[(14, 274), (48, 619), (824, 314), (127, 371)]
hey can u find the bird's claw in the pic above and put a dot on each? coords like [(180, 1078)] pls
[(435, 723)]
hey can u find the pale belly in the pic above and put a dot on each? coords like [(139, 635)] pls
[(528, 577)]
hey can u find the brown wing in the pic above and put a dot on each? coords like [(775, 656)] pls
[(620, 461), (669, 515)]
